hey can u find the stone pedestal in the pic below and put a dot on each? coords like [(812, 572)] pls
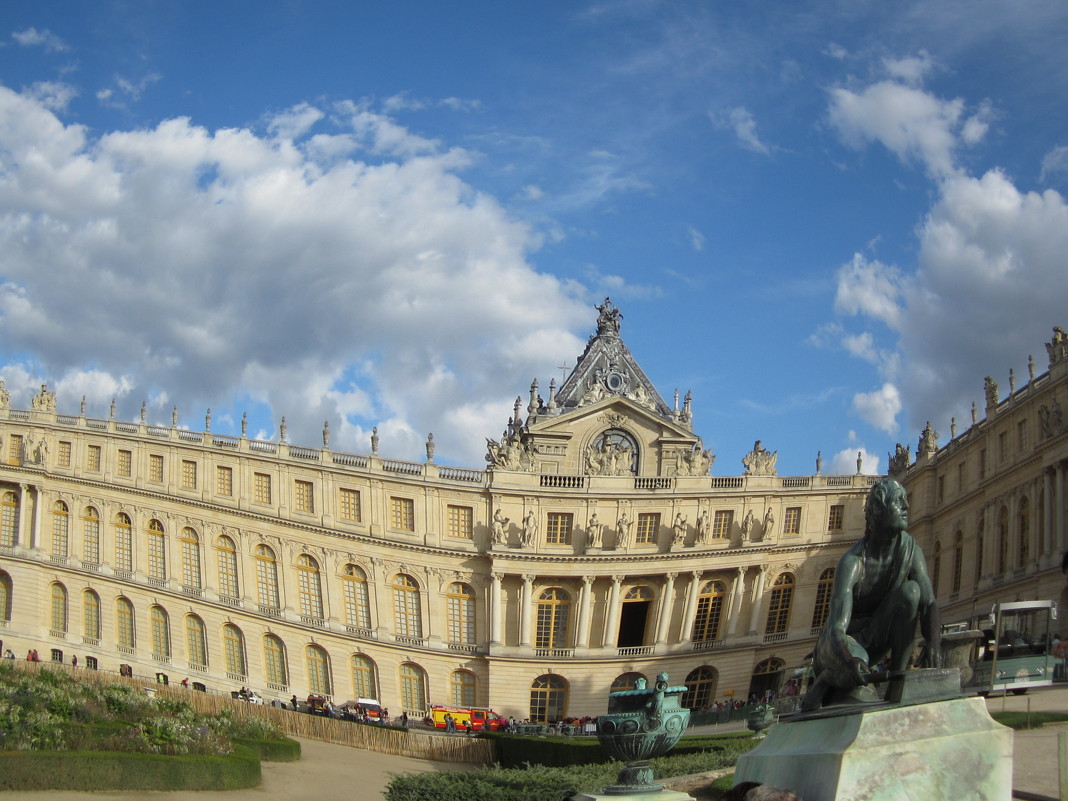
[(945, 749), (658, 795)]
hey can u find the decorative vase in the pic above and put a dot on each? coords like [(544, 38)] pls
[(641, 724)]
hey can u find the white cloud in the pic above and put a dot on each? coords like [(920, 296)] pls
[(870, 288), (910, 69), (53, 95), (697, 239), (913, 124), (1054, 163), (205, 267), (879, 408), (294, 122), (844, 463), (31, 37), (741, 121)]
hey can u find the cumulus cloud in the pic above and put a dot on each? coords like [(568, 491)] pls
[(1054, 163), (870, 288), (844, 463), (215, 267), (31, 37), (879, 408)]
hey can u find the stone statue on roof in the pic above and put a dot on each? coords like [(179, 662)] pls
[(608, 319)]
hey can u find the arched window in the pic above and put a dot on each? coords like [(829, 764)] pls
[(548, 698), (767, 676), (625, 682), (124, 622), (413, 687), (936, 567), (823, 600), (234, 648), (462, 686), (226, 561), (5, 596), (613, 453), (318, 665), (161, 632), (1024, 526), (91, 615), (357, 605), (363, 677), (190, 558), (461, 613), (157, 551), (958, 561), (266, 577), (709, 612), (309, 587), (196, 644), (123, 542), (700, 687), (60, 529), (407, 620), (9, 520), (274, 661), (58, 622), (553, 610), (782, 596), (1003, 540), (91, 535)]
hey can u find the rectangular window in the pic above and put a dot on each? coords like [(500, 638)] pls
[(63, 457), (1021, 435), (960, 477), (836, 518), (648, 528), (982, 463), (722, 522), (791, 522), (189, 474), (461, 522), (402, 514), (349, 505), (1003, 447), (155, 468), (941, 489), (14, 449), (558, 528), (92, 459), (224, 481), (303, 500), (125, 464), (261, 488)]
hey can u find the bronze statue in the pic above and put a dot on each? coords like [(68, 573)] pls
[(881, 589)]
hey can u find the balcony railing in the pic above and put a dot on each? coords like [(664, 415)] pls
[(778, 636), (554, 653), (707, 645)]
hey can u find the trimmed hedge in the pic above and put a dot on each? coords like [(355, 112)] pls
[(541, 783), (515, 750), (110, 770), (283, 750)]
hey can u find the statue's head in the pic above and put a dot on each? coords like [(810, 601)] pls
[(880, 497)]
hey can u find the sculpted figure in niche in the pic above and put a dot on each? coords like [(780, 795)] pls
[(747, 526), (623, 527), (593, 532), (881, 589), (769, 526), (702, 527), (678, 530), (530, 529), (499, 522), (760, 461)]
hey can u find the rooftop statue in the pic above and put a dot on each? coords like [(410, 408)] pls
[(608, 319), (881, 589), (760, 461)]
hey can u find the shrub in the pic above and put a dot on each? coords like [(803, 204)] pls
[(282, 749)]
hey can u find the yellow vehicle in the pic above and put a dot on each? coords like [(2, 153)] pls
[(481, 719)]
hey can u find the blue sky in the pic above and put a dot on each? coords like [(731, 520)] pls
[(828, 220)]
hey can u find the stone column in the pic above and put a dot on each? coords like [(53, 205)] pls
[(758, 593), (611, 628), (585, 612), (1047, 517), (496, 610), (525, 611), (691, 606), (23, 537), (737, 590), (35, 518), (667, 600)]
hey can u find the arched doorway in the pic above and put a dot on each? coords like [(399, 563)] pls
[(633, 617), (700, 687), (767, 677)]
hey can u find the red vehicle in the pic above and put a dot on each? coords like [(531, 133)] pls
[(480, 718)]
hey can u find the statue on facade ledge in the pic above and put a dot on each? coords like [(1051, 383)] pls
[(5, 396), (44, 401), (1051, 419), (702, 528), (510, 454), (990, 389), (530, 529), (623, 528), (1057, 348), (760, 461), (678, 530), (898, 462), (695, 461), (499, 523), (928, 442), (594, 531)]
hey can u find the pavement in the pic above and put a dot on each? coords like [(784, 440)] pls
[(337, 771)]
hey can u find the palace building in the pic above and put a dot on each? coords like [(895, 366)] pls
[(593, 549)]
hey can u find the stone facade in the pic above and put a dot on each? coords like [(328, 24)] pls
[(595, 547), (989, 507)]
